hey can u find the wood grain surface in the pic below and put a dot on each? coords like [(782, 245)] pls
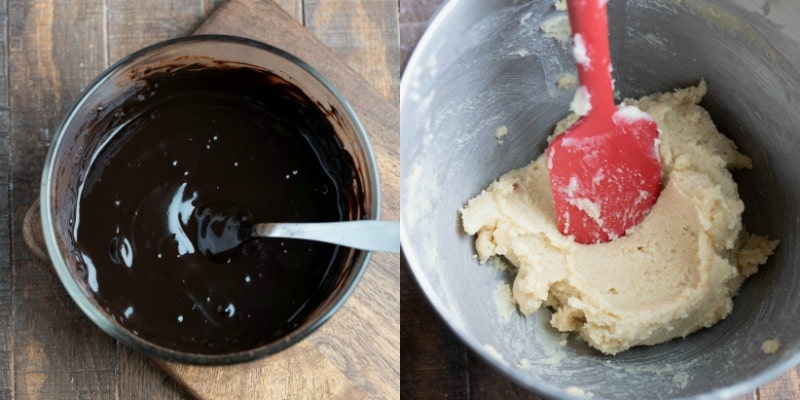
[(434, 363), (49, 51), (356, 354)]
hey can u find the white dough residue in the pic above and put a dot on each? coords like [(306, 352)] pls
[(581, 103), (556, 28), (567, 81), (771, 346), (500, 133), (579, 51), (504, 302), (630, 113)]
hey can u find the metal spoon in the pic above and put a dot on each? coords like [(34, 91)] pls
[(224, 228), (369, 235)]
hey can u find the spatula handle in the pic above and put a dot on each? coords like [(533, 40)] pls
[(589, 24)]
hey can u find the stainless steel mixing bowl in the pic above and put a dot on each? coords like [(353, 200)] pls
[(483, 64)]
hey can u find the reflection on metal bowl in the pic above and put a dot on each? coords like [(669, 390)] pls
[(486, 64)]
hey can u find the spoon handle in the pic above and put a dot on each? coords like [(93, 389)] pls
[(368, 235)]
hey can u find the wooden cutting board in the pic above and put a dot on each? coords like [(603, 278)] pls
[(356, 354)]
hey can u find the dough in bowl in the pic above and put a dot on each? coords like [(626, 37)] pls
[(672, 274)]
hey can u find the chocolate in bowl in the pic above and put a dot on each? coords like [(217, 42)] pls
[(186, 129)]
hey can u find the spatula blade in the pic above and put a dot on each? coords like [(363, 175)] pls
[(605, 179)]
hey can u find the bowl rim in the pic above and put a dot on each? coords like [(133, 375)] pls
[(103, 321), (528, 381)]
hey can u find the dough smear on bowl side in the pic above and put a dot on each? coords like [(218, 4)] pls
[(672, 274)]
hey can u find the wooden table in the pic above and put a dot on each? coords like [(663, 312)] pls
[(49, 51), (434, 363)]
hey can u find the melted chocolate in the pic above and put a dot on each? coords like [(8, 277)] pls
[(223, 230), (198, 135)]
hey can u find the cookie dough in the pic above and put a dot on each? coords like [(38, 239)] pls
[(771, 346), (671, 275), (567, 81)]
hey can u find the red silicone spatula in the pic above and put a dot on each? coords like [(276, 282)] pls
[(605, 171)]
